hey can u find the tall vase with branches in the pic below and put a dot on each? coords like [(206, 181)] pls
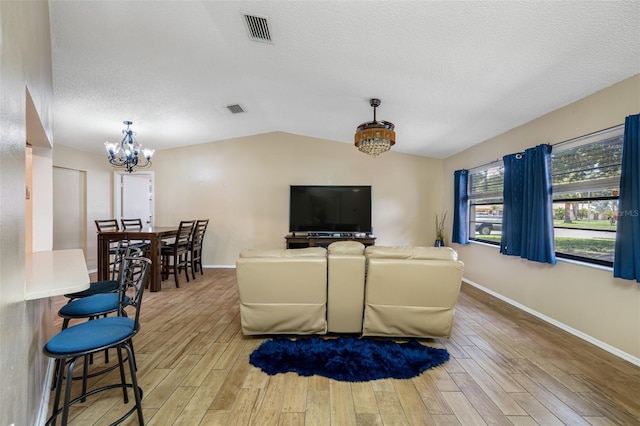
[(440, 233)]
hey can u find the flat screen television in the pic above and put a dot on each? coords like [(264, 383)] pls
[(330, 208)]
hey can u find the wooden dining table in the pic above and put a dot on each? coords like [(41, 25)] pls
[(153, 234)]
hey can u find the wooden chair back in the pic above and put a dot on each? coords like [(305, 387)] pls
[(198, 233), (131, 223), (183, 237), (175, 256), (106, 225)]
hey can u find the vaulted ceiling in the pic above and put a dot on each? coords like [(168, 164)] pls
[(450, 73)]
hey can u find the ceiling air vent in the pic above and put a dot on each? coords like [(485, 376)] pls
[(258, 28), (235, 109)]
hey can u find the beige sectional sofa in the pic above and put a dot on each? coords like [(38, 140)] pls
[(283, 291), (380, 291), (411, 291)]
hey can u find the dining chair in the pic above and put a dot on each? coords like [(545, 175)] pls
[(175, 256), (131, 223), (137, 225), (195, 247), (108, 225), (87, 338)]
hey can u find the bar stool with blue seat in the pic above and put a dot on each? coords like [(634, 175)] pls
[(105, 286), (96, 305), (100, 304), (90, 337)]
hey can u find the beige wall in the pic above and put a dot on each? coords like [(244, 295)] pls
[(242, 186), (584, 298), (99, 187), (25, 64)]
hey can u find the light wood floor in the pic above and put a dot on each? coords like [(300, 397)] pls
[(506, 367)]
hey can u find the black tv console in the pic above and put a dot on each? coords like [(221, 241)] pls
[(328, 234), (323, 239)]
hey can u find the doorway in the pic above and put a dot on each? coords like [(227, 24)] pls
[(69, 209), (133, 195)]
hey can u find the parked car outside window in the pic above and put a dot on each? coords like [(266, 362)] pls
[(485, 224)]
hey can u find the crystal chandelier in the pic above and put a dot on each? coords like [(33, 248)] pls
[(375, 137), (127, 153)]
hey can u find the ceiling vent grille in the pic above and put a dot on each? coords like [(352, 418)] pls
[(235, 109), (258, 28)]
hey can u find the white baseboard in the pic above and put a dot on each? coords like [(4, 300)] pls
[(602, 345)]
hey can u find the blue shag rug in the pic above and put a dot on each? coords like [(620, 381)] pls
[(347, 359)]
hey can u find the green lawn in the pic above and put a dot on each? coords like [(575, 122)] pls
[(586, 224), (492, 238), (585, 247)]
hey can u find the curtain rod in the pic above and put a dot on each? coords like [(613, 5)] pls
[(497, 160), (588, 135)]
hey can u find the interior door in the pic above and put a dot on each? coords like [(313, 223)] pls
[(136, 198), (69, 212)]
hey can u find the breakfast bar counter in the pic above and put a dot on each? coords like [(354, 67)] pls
[(54, 273)]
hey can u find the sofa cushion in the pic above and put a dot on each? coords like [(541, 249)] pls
[(408, 321), (346, 247), (421, 253), (283, 318), (302, 252), (345, 287)]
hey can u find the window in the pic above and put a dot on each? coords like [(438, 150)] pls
[(586, 180), (485, 203)]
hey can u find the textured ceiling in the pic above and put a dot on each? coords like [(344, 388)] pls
[(450, 74)]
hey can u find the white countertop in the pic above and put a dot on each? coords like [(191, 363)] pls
[(54, 273)]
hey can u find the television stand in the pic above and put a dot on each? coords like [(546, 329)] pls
[(323, 239)]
